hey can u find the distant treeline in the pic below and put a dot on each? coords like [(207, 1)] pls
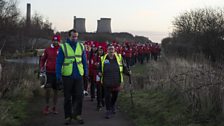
[(199, 31), (110, 37), (18, 35)]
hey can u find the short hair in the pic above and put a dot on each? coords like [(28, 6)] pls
[(110, 46), (70, 31)]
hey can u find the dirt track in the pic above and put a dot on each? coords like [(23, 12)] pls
[(90, 116)]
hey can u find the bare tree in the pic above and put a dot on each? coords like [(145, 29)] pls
[(199, 31)]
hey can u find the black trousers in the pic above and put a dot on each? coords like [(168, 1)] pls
[(100, 95), (128, 61), (73, 96), (92, 87), (110, 98)]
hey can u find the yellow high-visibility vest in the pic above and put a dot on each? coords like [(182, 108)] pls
[(119, 61), (72, 56)]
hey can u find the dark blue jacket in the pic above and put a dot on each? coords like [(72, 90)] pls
[(75, 72)]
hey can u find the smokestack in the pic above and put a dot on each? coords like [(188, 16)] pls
[(74, 23), (28, 14)]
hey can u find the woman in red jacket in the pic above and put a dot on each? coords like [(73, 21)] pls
[(99, 85), (48, 63)]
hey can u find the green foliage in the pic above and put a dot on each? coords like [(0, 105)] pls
[(154, 108), (19, 87), (12, 112)]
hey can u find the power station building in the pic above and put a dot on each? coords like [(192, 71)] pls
[(79, 24), (104, 25)]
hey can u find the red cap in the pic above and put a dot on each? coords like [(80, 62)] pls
[(56, 38)]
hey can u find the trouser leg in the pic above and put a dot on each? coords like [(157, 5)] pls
[(92, 88), (77, 96), (67, 96), (114, 98), (107, 98)]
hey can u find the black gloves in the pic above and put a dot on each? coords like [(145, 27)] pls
[(59, 84)]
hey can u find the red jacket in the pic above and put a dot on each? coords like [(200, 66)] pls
[(48, 59), (140, 49), (127, 52), (94, 64), (92, 60)]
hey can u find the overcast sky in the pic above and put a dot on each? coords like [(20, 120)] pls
[(151, 18)]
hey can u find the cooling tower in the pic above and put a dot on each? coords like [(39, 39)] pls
[(104, 25), (79, 24), (28, 14)]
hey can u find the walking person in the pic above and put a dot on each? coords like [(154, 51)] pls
[(99, 85), (111, 71), (48, 63), (92, 71), (71, 67)]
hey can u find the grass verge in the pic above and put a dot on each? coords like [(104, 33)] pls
[(13, 111), (154, 108)]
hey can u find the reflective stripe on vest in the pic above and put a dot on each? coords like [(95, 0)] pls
[(119, 61), (72, 56)]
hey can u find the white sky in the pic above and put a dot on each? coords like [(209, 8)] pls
[(151, 18)]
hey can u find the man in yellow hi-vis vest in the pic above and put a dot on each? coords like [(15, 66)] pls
[(111, 71), (71, 67)]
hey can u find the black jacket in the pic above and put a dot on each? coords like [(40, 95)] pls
[(111, 74)]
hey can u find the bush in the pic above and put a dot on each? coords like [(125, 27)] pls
[(197, 31), (196, 87)]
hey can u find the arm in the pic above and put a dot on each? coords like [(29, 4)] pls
[(99, 68), (43, 59), (59, 63), (84, 62)]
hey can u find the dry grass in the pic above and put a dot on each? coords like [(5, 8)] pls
[(18, 84), (17, 78), (199, 83)]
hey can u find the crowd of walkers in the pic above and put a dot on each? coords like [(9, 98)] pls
[(132, 52), (96, 67)]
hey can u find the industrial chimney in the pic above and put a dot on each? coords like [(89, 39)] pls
[(79, 24), (104, 25), (28, 14)]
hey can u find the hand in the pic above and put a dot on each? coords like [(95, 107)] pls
[(42, 70), (85, 77), (85, 93), (119, 88), (59, 84), (129, 73), (96, 64), (100, 74)]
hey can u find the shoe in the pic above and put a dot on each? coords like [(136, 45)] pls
[(79, 119), (103, 103), (68, 121), (54, 110), (46, 110), (98, 108), (108, 114), (113, 110)]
